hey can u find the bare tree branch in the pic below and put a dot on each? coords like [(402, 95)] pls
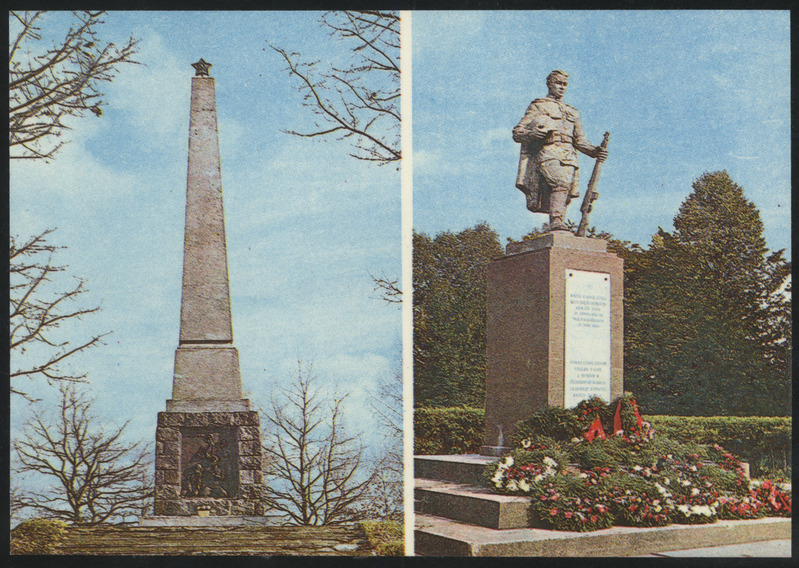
[(314, 465), (95, 477), (360, 101), (389, 289), (48, 84), (37, 314)]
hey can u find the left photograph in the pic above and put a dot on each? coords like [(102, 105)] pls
[(205, 292)]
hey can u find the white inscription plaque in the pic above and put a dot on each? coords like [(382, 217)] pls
[(587, 357)]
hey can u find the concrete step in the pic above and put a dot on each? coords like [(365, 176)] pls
[(470, 504), (466, 468), (437, 536), (265, 540)]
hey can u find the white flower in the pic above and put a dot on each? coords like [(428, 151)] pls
[(669, 456), (524, 486), (660, 488), (583, 475), (538, 477), (512, 485), (685, 483), (693, 468), (637, 468), (666, 481), (508, 461), (694, 491), (550, 462), (684, 509), (576, 440)]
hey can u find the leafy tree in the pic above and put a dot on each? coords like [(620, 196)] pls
[(707, 320), (53, 81), (313, 464), (359, 102), (37, 315), (95, 476), (449, 315)]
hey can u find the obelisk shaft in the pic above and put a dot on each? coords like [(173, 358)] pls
[(207, 376)]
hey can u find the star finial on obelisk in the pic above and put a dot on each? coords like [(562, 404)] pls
[(201, 68)]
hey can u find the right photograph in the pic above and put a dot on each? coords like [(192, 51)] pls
[(602, 283)]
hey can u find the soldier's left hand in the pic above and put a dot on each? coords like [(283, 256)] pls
[(601, 154)]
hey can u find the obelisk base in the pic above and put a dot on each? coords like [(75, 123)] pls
[(554, 330), (208, 463)]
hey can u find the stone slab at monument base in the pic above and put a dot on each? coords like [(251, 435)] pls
[(208, 464), (554, 330), (225, 521)]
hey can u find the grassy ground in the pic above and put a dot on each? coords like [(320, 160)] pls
[(386, 537)]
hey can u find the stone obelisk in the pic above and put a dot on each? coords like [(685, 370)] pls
[(208, 450)]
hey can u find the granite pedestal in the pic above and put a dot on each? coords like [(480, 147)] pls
[(554, 330)]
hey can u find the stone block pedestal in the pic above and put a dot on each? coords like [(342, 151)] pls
[(554, 329), (208, 461)]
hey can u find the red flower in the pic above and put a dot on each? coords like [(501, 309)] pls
[(568, 514), (553, 512)]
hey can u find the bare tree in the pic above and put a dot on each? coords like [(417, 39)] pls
[(384, 496), (38, 313), (359, 102), (389, 289), (94, 476), (49, 82), (314, 465)]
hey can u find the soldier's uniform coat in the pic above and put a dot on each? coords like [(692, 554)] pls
[(557, 152)]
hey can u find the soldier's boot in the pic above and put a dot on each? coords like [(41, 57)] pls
[(557, 209)]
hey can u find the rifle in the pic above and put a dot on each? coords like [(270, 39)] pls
[(590, 193)]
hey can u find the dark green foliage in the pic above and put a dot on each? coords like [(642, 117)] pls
[(565, 503), (449, 315), (589, 456), (723, 480), (385, 537), (634, 501), (444, 431), (554, 422), (707, 330), (763, 442), (37, 536)]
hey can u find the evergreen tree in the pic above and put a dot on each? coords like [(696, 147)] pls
[(449, 315), (707, 326)]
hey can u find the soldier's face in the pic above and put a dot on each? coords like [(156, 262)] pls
[(557, 87)]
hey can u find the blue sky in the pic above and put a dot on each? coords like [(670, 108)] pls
[(681, 93), (306, 224)]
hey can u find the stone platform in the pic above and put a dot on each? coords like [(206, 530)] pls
[(457, 515), (339, 540), (208, 522)]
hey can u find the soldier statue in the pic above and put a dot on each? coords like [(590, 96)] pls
[(550, 133)]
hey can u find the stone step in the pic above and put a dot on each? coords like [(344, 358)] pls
[(265, 540), (466, 468), (470, 504), (437, 536)]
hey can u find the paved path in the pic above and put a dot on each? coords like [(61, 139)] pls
[(765, 549)]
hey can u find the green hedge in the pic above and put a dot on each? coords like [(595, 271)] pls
[(448, 430), (763, 442)]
